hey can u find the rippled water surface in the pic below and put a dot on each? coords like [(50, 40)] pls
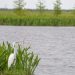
[(54, 45)]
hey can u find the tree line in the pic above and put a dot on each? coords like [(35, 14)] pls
[(19, 5)]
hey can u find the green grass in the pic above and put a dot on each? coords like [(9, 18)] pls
[(34, 18), (26, 61)]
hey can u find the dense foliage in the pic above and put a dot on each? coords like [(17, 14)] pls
[(34, 18)]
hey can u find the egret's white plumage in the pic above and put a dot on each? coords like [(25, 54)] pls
[(12, 57), (10, 60)]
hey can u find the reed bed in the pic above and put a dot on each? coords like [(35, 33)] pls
[(26, 61), (35, 18)]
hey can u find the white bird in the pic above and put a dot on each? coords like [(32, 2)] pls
[(12, 57)]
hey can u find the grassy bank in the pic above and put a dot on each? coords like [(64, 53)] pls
[(26, 61), (34, 18)]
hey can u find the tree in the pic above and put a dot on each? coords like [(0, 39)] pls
[(40, 6), (57, 7), (19, 6), (73, 10)]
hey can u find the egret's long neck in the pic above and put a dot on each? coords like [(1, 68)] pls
[(15, 52)]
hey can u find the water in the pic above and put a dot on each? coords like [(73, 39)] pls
[(54, 45)]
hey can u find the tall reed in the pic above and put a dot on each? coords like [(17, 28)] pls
[(34, 18), (26, 61)]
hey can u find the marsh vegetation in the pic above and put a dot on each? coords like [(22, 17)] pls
[(38, 17), (34, 18), (26, 61)]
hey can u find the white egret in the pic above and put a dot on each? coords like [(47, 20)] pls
[(12, 57)]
